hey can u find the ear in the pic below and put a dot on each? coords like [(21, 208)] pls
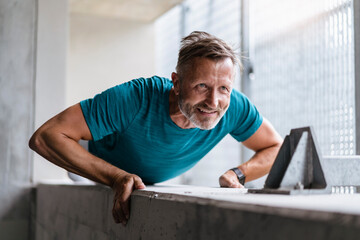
[(175, 80)]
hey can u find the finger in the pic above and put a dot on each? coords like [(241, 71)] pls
[(115, 216), (117, 212), (226, 181), (114, 213), (233, 180), (233, 184), (222, 181), (236, 185), (139, 183), (125, 197)]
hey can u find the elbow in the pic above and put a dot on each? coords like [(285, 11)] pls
[(278, 141), (34, 142), (278, 145)]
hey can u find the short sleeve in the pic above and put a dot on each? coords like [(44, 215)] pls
[(245, 117), (114, 109)]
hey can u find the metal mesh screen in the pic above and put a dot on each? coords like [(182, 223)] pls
[(167, 41), (218, 17), (303, 57)]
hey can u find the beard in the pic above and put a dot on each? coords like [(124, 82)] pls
[(191, 113)]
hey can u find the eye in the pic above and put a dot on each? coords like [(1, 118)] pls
[(225, 89), (202, 85)]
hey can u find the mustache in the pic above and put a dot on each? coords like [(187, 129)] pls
[(207, 108)]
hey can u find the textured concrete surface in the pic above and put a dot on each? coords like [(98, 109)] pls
[(188, 212), (17, 73), (141, 11), (51, 54)]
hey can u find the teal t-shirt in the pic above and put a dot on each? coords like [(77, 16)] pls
[(132, 129)]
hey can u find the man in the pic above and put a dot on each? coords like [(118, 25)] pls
[(151, 130)]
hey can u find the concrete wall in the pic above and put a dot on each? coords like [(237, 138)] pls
[(17, 79), (105, 52), (51, 56), (84, 212), (190, 212)]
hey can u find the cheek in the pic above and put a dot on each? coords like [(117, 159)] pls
[(195, 98), (224, 102)]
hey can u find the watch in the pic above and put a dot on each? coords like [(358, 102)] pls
[(240, 175)]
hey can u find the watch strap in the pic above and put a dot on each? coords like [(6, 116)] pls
[(240, 175)]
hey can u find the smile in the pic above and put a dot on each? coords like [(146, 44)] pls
[(206, 111)]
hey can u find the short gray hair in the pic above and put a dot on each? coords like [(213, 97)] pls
[(203, 44)]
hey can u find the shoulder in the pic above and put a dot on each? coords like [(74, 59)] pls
[(140, 87), (243, 116), (157, 83), (241, 109), (238, 101), (238, 96), (154, 83)]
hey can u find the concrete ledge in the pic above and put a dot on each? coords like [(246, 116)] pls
[(187, 212)]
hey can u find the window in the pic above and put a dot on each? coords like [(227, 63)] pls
[(302, 56), (302, 52)]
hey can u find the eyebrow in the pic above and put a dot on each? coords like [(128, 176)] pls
[(228, 84)]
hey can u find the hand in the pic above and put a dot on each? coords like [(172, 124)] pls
[(123, 186), (229, 179)]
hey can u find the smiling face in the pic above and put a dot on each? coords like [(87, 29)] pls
[(204, 91)]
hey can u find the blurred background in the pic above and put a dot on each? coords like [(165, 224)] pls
[(300, 61)]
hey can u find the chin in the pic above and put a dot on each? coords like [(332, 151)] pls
[(206, 125)]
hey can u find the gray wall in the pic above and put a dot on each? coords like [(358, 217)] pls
[(84, 212), (51, 53), (17, 74)]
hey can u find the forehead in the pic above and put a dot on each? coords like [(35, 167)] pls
[(207, 69)]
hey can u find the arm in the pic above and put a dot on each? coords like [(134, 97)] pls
[(57, 141), (266, 143)]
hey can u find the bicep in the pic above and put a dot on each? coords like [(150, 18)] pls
[(266, 136), (70, 122)]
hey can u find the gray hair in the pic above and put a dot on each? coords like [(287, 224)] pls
[(203, 44)]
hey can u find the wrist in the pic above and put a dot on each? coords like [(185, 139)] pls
[(117, 177), (239, 174)]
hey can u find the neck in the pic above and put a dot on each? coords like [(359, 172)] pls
[(175, 114)]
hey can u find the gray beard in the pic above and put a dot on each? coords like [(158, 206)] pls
[(186, 110)]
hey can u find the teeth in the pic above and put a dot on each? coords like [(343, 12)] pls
[(205, 111)]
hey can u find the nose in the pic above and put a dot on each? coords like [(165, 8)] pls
[(212, 99)]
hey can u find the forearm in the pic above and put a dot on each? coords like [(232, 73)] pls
[(67, 153), (260, 163)]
